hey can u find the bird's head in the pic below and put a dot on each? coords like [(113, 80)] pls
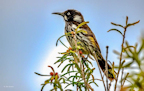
[(71, 15)]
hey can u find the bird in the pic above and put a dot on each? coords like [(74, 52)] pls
[(87, 40)]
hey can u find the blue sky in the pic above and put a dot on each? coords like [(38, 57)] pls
[(28, 32)]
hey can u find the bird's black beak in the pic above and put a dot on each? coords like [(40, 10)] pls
[(58, 13)]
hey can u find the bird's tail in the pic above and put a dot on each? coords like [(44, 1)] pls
[(101, 63)]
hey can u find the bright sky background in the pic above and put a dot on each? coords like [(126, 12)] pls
[(28, 33)]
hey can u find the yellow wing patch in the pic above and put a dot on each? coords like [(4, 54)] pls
[(92, 40)]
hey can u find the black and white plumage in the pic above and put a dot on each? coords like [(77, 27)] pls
[(87, 40)]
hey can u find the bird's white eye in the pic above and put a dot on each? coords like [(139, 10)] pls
[(68, 13)]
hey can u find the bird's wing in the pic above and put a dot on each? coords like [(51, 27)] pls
[(91, 37)]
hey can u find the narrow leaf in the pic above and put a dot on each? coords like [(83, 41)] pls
[(90, 63), (116, 24), (74, 77), (129, 47), (128, 64), (83, 23), (94, 83), (115, 30), (40, 74), (43, 87), (92, 77), (83, 31), (47, 81), (78, 68), (63, 43), (130, 24), (68, 72), (59, 38), (65, 67), (116, 52), (67, 85)]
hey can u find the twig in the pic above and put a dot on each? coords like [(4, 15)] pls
[(109, 86), (81, 67), (122, 76), (77, 88), (106, 67), (99, 69), (125, 79), (121, 52)]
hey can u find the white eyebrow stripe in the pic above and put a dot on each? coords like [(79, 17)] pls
[(77, 18)]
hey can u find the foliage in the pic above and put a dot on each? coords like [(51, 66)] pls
[(127, 52), (136, 56), (79, 70)]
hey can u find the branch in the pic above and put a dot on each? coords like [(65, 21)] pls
[(99, 69), (125, 28), (106, 67), (82, 72)]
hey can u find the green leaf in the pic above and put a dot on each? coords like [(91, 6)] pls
[(62, 80), (115, 30), (56, 78), (68, 73), (66, 66), (59, 86), (72, 51), (73, 80), (67, 85), (123, 79), (90, 63), (117, 24), (88, 76), (52, 90), (47, 81), (43, 87), (141, 47), (40, 74), (69, 68), (78, 47), (92, 77), (78, 68), (94, 83), (63, 43), (68, 90), (122, 63), (127, 54), (74, 77), (132, 24), (59, 39), (116, 67), (63, 58), (113, 72), (116, 52), (87, 70), (129, 47), (128, 64), (68, 34), (83, 31), (83, 23)]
